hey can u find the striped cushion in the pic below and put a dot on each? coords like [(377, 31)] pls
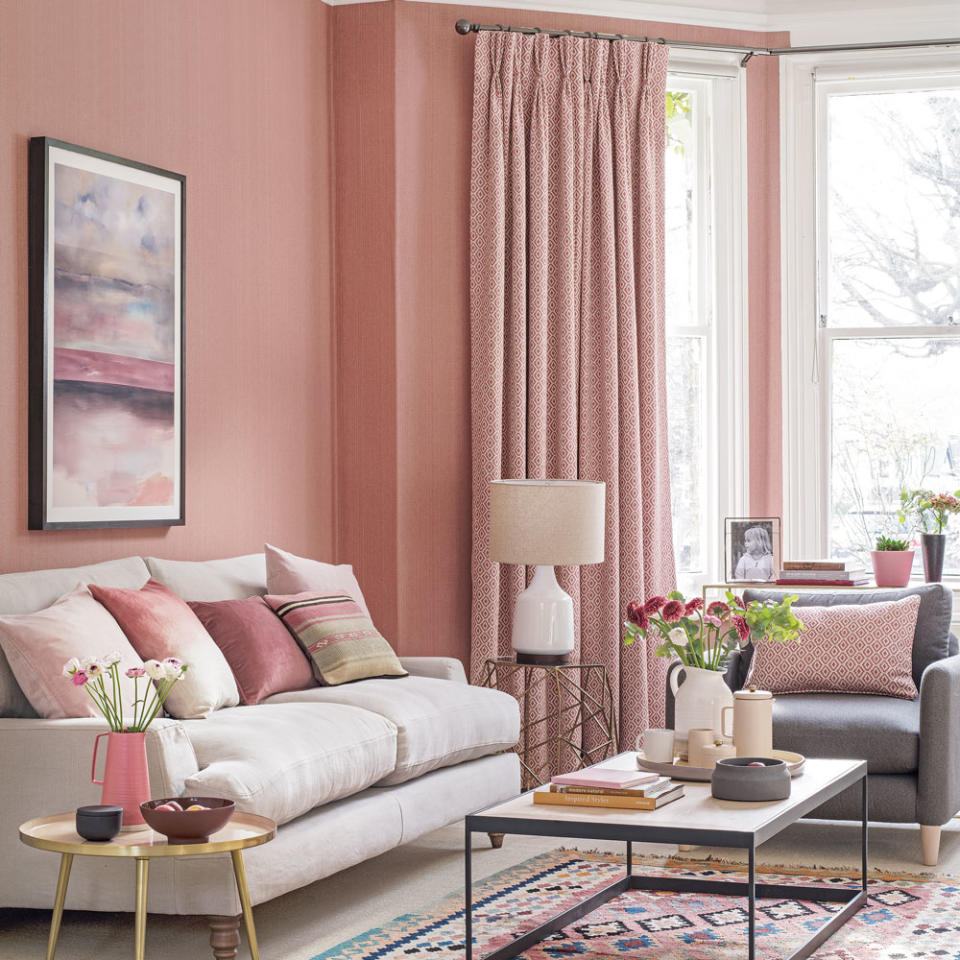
[(339, 638)]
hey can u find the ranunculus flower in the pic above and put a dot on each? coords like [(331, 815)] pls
[(79, 678), (155, 670), (136, 672), (672, 611), (712, 620), (92, 668), (633, 608), (173, 669), (111, 658), (653, 605), (743, 628), (694, 605), (718, 609), (173, 662), (738, 602), (71, 667), (642, 620)]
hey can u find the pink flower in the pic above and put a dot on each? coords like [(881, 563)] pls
[(136, 672), (79, 678), (672, 611), (638, 616), (743, 628), (694, 605), (653, 605), (738, 602), (711, 620), (718, 609)]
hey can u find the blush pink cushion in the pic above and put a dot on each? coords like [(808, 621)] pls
[(264, 657), (848, 648), (159, 625), (288, 574), (37, 645)]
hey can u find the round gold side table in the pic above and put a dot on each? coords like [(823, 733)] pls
[(58, 834)]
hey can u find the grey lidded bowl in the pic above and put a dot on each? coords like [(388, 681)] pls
[(734, 779), (99, 823)]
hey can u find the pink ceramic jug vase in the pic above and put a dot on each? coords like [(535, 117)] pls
[(126, 782)]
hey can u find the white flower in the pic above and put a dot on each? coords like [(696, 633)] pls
[(155, 670), (92, 667), (173, 668), (111, 658), (71, 667)]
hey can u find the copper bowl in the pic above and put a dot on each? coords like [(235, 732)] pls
[(188, 826)]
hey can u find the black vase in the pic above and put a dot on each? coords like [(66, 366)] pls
[(934, 546)]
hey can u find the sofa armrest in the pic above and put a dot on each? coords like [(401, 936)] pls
[(440, 668), (938, 778), (46, 763)]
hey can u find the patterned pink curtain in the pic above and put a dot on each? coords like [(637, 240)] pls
[(567, 314)]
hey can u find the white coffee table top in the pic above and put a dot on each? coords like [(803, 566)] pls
[(697, 809)]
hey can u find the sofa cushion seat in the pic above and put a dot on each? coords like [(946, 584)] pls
[(281, 760), (885, 731), (438, 723)]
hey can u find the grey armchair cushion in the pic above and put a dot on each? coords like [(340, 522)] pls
[(931, 639), (884, 731)]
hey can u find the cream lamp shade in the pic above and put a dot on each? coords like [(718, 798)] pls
[(541, 523), (556, 522)]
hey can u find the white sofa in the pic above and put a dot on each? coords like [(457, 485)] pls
[(348, 772)]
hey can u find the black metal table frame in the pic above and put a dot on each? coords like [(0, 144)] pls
[(853, 898)]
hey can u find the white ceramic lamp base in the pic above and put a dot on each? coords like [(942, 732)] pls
[(543, 620)]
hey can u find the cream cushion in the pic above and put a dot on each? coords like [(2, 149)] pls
[(281, 760), (438, 723), (35, 589), (288, 574), (207, 581)]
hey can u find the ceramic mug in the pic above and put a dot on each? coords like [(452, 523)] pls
[(697, 739), (657, 745)]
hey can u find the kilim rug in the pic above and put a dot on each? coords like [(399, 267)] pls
[(907, 917)]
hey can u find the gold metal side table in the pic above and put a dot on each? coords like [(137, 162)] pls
[(567, 715), (58, 834)]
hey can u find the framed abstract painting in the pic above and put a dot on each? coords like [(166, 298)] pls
[(106, 340)]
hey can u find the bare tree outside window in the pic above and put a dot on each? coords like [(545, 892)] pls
[(891, 251)]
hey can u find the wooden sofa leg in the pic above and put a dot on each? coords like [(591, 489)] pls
[(930, 844), (496, 840), (224, 937)]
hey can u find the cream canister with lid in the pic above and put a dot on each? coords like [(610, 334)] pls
[(752, 722)]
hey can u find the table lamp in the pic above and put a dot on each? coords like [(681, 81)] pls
[(544, 523)]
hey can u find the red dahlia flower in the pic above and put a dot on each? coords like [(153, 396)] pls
[(743, 628), (653, 605), (718, 609), (672, 611), (693, 605)]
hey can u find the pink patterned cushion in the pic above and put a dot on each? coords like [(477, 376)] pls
[(848, 648)]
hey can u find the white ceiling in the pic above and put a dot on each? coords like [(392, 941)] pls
[(808, 21)]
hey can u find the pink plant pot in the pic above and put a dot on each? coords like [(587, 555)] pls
[(891, 568)]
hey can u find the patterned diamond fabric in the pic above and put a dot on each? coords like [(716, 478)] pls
[(567, 326)]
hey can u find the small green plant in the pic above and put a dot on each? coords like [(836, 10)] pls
[(889, 543)]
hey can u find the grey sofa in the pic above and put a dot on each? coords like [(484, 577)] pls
[(912, 747)]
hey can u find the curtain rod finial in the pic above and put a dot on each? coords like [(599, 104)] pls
[(463, 27)]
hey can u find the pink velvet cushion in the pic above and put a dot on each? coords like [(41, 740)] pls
[(848, 648), (37, 645), (288, 574), (159, 625), (264, 657)]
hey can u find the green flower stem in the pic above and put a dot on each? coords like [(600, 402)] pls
[(161, 697)]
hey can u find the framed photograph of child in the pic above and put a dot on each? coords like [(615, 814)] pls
[(752, 552)]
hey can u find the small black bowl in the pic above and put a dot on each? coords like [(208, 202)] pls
[(100, 823)]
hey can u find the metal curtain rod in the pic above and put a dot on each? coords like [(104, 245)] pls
[(465, 26)]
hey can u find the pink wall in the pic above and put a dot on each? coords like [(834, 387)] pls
[(234, 94), (417, 260)]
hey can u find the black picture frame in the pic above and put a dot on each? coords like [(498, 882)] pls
[(132, 383), (760, 569)]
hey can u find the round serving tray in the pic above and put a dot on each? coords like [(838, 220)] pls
[(681, 770)]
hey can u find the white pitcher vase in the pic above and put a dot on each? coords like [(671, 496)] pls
[(699, 700)]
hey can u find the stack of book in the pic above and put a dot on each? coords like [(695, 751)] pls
[(623, 789), (822, 573)]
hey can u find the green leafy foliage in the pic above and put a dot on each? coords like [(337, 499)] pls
[(929, 508), (679, 110), (890, 543)]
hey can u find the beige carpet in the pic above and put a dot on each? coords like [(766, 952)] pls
[(302, 924)]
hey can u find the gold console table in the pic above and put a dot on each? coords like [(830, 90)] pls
[(567, 715)]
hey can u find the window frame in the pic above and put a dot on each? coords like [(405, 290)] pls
[(722, 282), (806, 83)]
